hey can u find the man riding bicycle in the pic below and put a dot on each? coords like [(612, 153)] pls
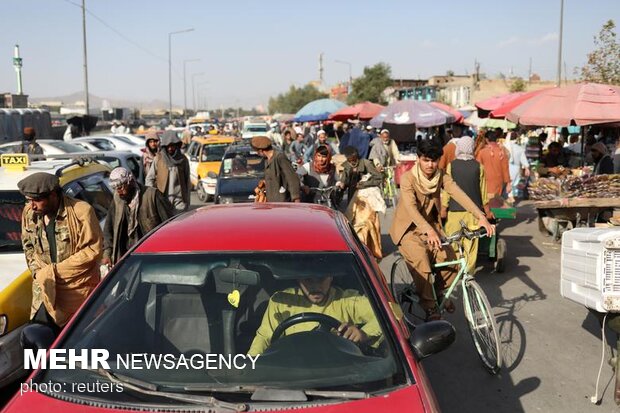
[(416, 227), (384, 152), (318, 173)]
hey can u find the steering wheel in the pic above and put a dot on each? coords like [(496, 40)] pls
[(326, 323)]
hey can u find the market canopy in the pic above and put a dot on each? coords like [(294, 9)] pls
[(407, 112), (488, 105), (458, 116), (362, 111), (580, 104), (501, 111), (318, 110)]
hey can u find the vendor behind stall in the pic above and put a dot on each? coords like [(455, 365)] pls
[(554, 162), (603, 164)]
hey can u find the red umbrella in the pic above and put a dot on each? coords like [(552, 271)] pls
[(447, 108), (362, 111), (497, 101), (501, 111), (580, 104)]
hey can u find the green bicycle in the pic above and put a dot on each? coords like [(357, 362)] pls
[(389, 186), (478, 311)]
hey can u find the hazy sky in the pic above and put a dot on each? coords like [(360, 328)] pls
[(251, 50)]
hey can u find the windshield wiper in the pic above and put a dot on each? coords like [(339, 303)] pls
[(260, 393), (152, 389)]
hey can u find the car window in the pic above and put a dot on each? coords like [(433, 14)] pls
[(65, 146), (124, 139), (133, 164), (213, 152), (103, 144), (94, 190), (179, 305), (11, 206), (111, 161), (238, 164), (193, 148)]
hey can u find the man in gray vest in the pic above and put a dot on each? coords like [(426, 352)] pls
[(469, 176)]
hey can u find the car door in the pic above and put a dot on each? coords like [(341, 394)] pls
[(193, 153)]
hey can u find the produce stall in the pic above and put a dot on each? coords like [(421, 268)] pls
[(571, 201)]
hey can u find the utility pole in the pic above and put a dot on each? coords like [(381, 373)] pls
[(170, 70), (185, 85), (559, 79), (565, 74), (85, 59), (321, 68), (529, 73)]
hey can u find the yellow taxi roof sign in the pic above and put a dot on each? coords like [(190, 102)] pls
[(14, 161)]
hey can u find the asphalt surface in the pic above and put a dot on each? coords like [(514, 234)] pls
[(551, 346)]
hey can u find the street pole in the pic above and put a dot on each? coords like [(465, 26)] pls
[(559, 80), (85, 58), (350, 76), (170, 70), (185, 85), (194, 89)]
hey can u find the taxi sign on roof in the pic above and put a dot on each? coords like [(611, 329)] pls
[(14, 161)]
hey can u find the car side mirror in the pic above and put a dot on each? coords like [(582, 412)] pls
[(212, 175), (431, 338), (193, 158)]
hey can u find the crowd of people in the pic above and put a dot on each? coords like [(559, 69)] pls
[(454, 180)]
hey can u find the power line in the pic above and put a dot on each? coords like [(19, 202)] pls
[(122, 36)]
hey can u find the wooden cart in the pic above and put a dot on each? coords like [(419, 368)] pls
[(568, 213)]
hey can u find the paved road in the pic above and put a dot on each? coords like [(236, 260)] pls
[(552, 346)]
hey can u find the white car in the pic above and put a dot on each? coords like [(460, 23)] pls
[(49, 146), (206, 188), (254, 129), (112, 143), (140, 141)]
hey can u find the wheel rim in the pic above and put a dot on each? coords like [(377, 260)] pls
[(482, 327), (202, 195)]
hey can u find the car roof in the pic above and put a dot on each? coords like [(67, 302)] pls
[(250, 227), (9, 178), (213, 139)]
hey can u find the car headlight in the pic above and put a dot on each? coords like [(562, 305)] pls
[(226, 200), (4, 323)]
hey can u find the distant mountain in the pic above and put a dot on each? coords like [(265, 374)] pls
[(97, 102)]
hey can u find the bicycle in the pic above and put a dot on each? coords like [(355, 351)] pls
[(478, 313), (326, 196), (389, 186)]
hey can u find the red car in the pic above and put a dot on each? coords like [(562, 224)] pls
[(181, 317)]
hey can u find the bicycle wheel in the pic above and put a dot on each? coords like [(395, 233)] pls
[(482, 325)]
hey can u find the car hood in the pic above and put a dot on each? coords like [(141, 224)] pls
[(12, 264), (407, 398)]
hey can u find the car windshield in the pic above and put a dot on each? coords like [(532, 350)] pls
[(257, 128), (165, 309), (124, 139), (65, 147), (240, 164), (213, 152), (11, 206)]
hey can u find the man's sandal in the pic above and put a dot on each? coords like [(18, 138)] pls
[(433, 314)]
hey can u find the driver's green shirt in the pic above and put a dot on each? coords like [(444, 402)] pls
[(347, 306)]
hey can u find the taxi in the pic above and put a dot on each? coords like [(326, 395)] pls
[(205, 155), (270, 321), (83, 180)]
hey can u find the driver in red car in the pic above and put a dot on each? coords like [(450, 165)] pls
[(317, 295)]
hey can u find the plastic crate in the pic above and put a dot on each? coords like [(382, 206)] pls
[(504, 213)]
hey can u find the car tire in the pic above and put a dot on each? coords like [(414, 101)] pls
[(202, 195)]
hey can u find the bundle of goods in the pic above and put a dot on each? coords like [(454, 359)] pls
[(587, 186)]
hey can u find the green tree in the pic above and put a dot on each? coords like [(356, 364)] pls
[(370, 86), (294, 99), (603, 64), (450, 73), (518, 85)]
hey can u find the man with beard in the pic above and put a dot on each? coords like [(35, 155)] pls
[(603, 164), (135, 211), (281, 181), (62, 242), (29, 144), (170, 172), (152, 147), (318, 295)]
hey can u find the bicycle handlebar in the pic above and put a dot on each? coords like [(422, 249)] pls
[(464, 233)]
